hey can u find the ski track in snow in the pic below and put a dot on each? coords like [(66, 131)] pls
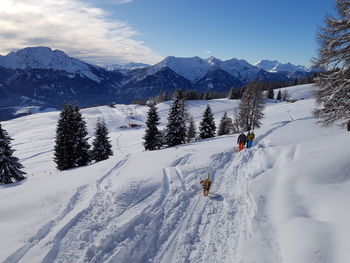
[(47, 228), (61, 219), (173, 223)]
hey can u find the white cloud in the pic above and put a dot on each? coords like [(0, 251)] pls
[(207, 52), (123, 1), (73, 26)]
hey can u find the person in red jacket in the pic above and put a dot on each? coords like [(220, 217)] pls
[(241, 141)]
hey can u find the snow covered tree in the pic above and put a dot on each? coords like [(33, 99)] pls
[(235, 124), (279, 95), (10, 167), (207, 125), (101, 145), (191, 130), (176, 127), (270, 94), (71, 146), (285, 95), (333, 87), (225, 126), (153, 137), (250, 110)]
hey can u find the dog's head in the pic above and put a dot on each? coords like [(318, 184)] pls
[(204, 182)]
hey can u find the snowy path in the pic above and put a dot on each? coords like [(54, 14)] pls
[(170, 222)]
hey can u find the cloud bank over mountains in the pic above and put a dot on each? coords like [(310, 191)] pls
[(77, 27)]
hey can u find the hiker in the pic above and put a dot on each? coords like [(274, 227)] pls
[(241, 141), (250, 138)]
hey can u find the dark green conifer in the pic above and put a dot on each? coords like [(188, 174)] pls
[(101, 146), (152, 137), (207, 125), (10, 167)]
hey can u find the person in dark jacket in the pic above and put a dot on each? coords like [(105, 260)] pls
[(241, 141)]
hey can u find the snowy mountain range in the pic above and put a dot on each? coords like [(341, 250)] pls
[(275, 66), (40, 76)]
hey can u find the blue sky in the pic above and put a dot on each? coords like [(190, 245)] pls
[(118, 31), (273, 29)]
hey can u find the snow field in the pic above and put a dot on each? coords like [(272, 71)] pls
[(284, 200)]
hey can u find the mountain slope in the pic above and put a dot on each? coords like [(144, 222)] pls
[(40, 77), (275, 66), (284, 200), (217, 80), (145, 85), (46, 58)]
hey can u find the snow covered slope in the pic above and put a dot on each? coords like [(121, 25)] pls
[(284, 200)]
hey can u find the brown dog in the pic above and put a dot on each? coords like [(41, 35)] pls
[(206, 183)]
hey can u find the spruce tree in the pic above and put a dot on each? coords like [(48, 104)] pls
[(176, 127), (64, 149), (101, 145), (191, 130), (225, 126), (71, 146), (279, 95), (10, 167), (152, 137), (207, 125), (82, 145), (332, 88), (250, 109), (270, 94)]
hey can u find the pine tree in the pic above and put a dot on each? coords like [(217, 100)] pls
[(10, 167), (101, 145), (207, 125), (250, 110), (176, 127), (71, 146), (333, 89), (279, 95), (270, 94), (191, 130), (153, 137), (225, 126)]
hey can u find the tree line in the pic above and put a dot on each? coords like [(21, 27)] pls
[(181, 128)]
